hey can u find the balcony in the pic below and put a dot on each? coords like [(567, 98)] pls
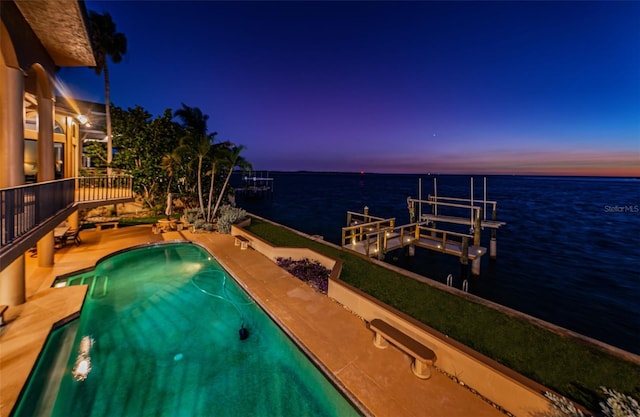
[(31, 211)]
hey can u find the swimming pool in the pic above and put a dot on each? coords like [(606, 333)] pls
[(165, 331)]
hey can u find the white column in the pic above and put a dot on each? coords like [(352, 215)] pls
[(46, 171), (12, 284)]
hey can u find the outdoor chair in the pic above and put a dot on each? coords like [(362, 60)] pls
[(59, 242), (72, 235)]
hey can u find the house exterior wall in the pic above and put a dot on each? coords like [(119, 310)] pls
[(27, 67)]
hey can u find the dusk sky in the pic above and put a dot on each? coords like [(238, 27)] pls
[(401, 87)]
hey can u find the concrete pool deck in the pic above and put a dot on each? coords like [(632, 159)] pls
[(381, 380)]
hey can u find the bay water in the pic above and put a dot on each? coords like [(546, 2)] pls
[(569, 253)]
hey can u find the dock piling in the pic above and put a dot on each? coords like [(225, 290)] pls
[(475, 266)]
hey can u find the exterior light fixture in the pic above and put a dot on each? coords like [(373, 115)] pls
[(83, 119)]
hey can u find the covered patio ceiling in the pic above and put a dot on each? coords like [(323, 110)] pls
[(60, 27)]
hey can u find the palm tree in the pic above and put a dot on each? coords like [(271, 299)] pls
[(232, 160), (170, 162), (106, 42), (196, 142), (217, 155)]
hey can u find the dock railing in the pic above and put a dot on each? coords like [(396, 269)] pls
[(364, 231), (390, 238), (444, 240), (474, 220), (376, 238), (378, 242), (354, 218)]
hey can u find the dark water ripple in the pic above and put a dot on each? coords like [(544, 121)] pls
[(569, 254)]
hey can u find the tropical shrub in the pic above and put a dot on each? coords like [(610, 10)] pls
[(228, 216), (619, 405), (191, 215), (561, 407), (615, 405), (311, 272)]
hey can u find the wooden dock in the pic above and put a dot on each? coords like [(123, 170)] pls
[(255, 186), (373, 236), (393, 240), (378, 236)]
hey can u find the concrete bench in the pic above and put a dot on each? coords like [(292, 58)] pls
[(99, 226), (423, 357), (242, 241), (3, 308)]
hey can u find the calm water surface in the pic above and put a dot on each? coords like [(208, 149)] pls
[(569, 254)]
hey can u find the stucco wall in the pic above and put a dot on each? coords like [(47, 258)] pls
[(273, 252)]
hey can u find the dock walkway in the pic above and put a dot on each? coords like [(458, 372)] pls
[(396, 241)]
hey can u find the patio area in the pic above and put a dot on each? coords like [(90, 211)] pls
[(381, 380)]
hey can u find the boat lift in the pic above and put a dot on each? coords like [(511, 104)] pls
[(373, 236), (476, 220)]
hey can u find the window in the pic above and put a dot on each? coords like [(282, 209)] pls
[(31, 121), (58, 161), (31, 160), (57, 127)]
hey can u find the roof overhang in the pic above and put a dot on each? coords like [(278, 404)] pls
[(60, 27)]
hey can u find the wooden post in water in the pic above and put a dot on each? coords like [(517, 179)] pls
[(380, 243), (477, 228), (416, 238), (471, 218), (434, 207), (419, 198), (475, 266), (464, 253), (435, 193), (493, 244)]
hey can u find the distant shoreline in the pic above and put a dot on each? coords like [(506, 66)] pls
[(429, 174)]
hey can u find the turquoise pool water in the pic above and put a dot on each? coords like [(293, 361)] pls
[(165, 322)]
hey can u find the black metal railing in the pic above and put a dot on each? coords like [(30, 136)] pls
[(25, 207), (104, 188)]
